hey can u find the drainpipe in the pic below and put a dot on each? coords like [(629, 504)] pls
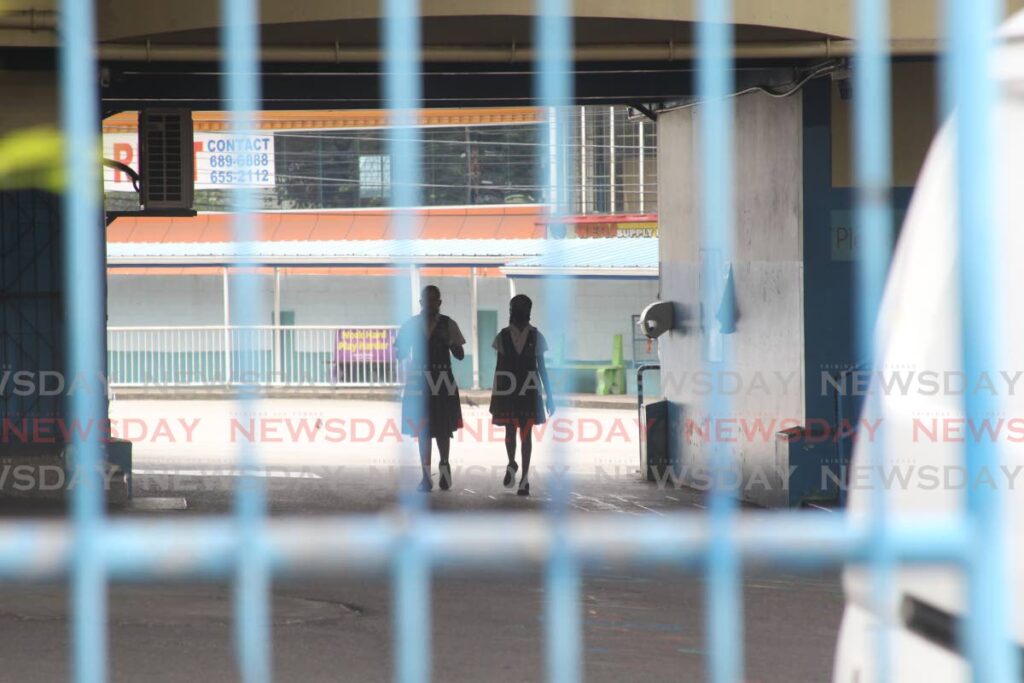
[(640, 164), (648, 52), (29, 20)]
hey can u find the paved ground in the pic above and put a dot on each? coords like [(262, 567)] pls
[(638, 627)]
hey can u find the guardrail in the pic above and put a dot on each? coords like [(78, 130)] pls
[(216, 355)]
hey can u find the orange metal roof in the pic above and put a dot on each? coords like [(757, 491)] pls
[(487, 222), (211, 121)]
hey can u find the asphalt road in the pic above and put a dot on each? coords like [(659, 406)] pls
[(638, 626)]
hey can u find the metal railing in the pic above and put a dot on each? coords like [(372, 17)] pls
[(268, 355)]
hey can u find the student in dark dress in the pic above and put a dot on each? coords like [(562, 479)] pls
[(516, 400), (430, 402)]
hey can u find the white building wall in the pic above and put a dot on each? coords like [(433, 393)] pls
[(603, 307)]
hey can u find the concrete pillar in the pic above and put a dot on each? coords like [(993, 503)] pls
[(768, 345), (414, 282)]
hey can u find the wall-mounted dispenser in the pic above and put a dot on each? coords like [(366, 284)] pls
[(657, 319)]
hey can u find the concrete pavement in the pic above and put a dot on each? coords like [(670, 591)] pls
[(639, 626)]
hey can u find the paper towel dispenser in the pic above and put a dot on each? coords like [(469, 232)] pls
[(657, 319)]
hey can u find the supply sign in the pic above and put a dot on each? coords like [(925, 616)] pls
[(222, 160)]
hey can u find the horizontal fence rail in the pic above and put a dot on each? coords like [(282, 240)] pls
[(207, 547), (283, 355)]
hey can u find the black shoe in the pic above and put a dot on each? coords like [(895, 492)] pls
[(444, 478), (524, 488), (425, 485), (510, 475)]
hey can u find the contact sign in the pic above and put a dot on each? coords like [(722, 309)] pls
[(222, 160), (234, 161)]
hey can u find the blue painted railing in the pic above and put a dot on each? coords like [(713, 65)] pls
[(247, 547)]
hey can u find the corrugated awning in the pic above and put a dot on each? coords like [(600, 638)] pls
[(613, 257), (609, 257), (514, 221), (355, 253)]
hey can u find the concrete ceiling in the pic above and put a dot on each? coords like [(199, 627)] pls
[(325, 53), (485, 22)]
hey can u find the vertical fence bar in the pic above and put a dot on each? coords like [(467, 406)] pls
[(239, 40), (971, 83), (553, 84), (872, 171), (83, 282), (411, 581), (723, 603)]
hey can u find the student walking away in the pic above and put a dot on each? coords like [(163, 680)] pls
[(430, 402), (516, 399)]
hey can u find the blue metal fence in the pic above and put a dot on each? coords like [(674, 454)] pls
[(248, 547)]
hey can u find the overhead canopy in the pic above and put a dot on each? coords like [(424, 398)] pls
[(608, 257), (612, 257)]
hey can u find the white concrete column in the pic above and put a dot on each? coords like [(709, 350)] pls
[(474, 341), (227, 326), (414, 281), (511, 287), (768, 260)]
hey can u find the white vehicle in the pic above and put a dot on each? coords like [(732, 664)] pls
[(919, 328)]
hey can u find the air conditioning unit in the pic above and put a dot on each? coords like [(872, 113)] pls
[(166, 159)]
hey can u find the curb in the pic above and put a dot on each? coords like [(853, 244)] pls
[(469, 397)]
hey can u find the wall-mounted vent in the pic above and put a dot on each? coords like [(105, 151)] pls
[(165, 159)]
